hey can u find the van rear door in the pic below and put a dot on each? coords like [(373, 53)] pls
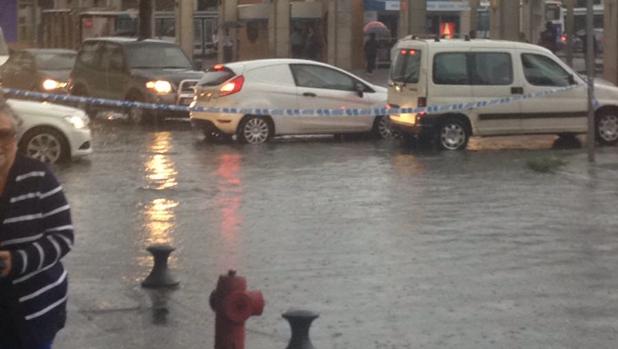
[(408, 79)]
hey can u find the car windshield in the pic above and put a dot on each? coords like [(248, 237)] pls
[(157, 56), (407, 66), (55, 61)]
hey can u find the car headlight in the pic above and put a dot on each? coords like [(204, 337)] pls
[(51, 84), (79, 121), (161, 87)]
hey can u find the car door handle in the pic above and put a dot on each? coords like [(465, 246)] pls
[(309, 94), (517, 90)]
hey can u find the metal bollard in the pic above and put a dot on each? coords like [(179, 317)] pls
[(160, 275), (300, 322)]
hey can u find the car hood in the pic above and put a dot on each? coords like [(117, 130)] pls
[(58, 75), (41, 108), (172, 75), (605, 90), (380, 89)]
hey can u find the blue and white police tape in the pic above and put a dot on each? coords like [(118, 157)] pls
[(431, 109)]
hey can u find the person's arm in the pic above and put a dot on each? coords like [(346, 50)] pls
[(56, 236)]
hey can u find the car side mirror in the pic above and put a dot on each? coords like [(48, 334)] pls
[(360, 89), (571, 79)]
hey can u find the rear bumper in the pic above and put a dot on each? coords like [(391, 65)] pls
[(223, 122)]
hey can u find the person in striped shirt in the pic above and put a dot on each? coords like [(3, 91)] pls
[(35, 233)]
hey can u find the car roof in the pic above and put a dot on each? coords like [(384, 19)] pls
[(242, 66), (256, 63), (123, 40), (36, 51), (472, 43)]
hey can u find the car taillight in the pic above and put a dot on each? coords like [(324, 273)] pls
[(232, 86), (563, 38), (421, 102)]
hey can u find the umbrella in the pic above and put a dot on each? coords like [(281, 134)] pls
[(376, 27)]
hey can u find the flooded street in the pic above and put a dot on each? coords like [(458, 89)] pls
[(395, 247)]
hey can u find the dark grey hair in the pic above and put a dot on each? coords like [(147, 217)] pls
[(5, 109)]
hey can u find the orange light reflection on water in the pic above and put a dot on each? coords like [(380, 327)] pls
[(229, 202), (160, 169), (161, 173)]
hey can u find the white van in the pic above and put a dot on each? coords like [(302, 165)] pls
[(4, 49), (441, 72)]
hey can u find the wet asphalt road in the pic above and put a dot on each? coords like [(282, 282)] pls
[(394, 247)]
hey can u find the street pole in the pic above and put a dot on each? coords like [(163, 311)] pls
[(590, 65), (474, 17), (417, 16), (145, 19), (570, 30)]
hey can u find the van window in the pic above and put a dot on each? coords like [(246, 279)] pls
[(540, 70), (451, 69), (407, 66), (492, 68)]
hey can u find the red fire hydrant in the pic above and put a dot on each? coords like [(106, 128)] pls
[(233, 305)]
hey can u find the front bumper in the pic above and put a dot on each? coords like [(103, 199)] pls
[(81, 142), (412, 124)]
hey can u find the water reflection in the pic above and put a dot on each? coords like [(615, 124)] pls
[(228, 202), (160, 221), (160, 169), (161, 173)]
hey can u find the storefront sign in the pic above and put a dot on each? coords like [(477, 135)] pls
[(392, 5), (382, 5), (447, 6)]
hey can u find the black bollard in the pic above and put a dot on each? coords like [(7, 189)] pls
[(300, 322), (160, 275)]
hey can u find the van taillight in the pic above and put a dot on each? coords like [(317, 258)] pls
[(232, 86), (421, 102)]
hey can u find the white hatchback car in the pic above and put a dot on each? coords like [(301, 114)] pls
[(285, 84), (51, 132), (462, 72)]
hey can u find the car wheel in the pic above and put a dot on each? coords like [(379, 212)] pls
[(140, 116), (453, 135), (45, 144), (255, 130), (607, 127), (382, 129)]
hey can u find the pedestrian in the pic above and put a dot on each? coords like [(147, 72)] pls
[(228, 46), (297, 43), (583, 36), (549, 37), (371, 52), (36, 232), (313, 45)]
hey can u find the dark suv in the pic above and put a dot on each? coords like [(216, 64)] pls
[(150, 71)]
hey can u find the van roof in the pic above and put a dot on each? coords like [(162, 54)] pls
[(472, 43)]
